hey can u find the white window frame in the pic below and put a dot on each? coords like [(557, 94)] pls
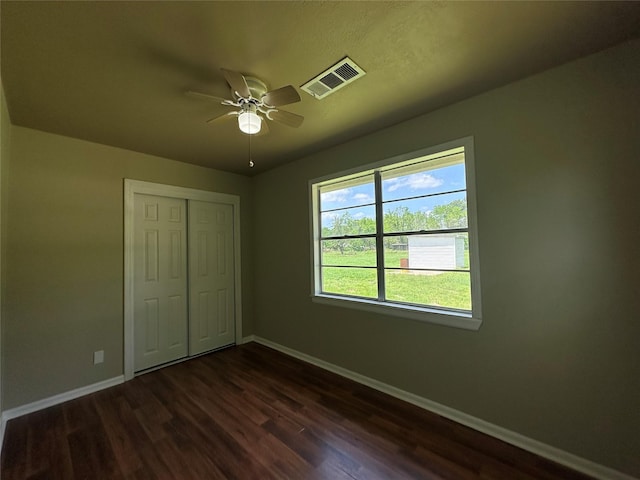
[(441, 316)]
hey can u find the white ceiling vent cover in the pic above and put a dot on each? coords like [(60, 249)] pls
[(334, 78)]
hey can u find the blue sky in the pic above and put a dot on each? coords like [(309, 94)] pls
[(427, 182)]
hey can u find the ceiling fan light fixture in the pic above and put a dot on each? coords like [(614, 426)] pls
[(249, 122)]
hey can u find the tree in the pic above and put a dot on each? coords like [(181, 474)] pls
[(399, 219), (450, 215)]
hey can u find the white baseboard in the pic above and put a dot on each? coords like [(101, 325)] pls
[(247, 339), (557, 455), (54, 400)]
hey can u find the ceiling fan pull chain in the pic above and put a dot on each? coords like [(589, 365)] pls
[(250, 160)]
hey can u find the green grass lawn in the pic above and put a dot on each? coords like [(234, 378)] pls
[(449, 289)]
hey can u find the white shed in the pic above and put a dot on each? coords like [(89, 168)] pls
[(439, 251)]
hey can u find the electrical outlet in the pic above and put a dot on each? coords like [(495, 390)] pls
[(98, 357)]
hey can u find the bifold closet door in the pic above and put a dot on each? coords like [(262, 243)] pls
[(160, 280), (211, 276)]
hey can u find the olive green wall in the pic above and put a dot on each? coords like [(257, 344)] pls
[(65, 258), (558, 175), (5, 147)]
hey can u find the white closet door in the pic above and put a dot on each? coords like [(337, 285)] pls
[(211, 276), (160, 280)]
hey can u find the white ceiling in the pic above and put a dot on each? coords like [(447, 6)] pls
[(116, 72)]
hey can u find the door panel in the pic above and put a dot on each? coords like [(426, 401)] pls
[(160, 280), (211, 279)]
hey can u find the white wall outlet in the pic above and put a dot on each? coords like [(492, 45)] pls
[(98, 357)]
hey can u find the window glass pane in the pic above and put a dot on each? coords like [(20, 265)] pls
[(359, 282), (359, 252), (435, 289), (430, 213), (351, 193), (396, 252), (419, 180), (448, 251), (351, 221)]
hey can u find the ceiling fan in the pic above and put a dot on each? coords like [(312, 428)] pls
[(254, 103)]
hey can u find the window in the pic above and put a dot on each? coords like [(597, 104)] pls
[(399, 237)]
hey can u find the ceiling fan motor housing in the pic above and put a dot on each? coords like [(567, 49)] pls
[(256, 86)]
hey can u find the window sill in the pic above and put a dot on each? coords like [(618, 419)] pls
[(423, 314)]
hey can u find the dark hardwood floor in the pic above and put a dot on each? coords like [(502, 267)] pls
[(252, 413)]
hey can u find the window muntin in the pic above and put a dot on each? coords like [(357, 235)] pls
[(404, 236)]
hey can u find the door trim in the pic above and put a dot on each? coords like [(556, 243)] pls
[(131, 187)]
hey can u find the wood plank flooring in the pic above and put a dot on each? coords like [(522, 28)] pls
[(249, 412)]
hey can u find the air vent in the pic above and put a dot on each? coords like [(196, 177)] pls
[(334, 78)]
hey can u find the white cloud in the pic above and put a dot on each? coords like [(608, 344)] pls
[(363, 197), (345, 194), (338, 196), (417, 181)]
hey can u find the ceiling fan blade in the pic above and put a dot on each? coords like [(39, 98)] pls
[(205, 96), (223, 116), (286, 118), (237, 82), (281, 96)]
